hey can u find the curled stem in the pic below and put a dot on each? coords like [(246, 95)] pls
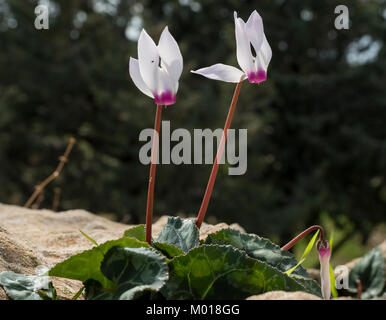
[(212, 178), (153, 164), (290, 244), (62, 160)]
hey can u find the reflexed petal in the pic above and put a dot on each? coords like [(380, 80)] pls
[(171, 57), (148, 59), (222, 72), (137, 78), (255, 30), (244, 54)]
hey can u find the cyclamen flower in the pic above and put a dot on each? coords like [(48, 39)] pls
[(253, 67), (323, 248), (158, 68)]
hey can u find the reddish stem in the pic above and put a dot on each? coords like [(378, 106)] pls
[(212, 178), (290, 244), (153, 164)]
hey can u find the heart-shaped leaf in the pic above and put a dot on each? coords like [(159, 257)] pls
[(223, 272), (181, 233), (132, 270), (370, 271), (168, 250), (258, 248), (21, 287), (95, 291), (137, 232), (86, 265)]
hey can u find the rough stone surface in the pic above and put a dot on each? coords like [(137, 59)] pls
[(3, 295), (32, 239), (284, 295)]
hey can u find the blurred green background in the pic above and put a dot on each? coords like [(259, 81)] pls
[(316, 127)]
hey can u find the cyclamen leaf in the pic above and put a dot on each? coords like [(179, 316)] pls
[(223, 272), (134, 270), (266, 251), (95, 291), (181, 233), (86, 265), (288, 272), (137, 232), (258, 248), (22, 287), (370, 271), (168, 250)]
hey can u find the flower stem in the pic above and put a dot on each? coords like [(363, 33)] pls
[(153, 164), (290, 244), (212, 178)]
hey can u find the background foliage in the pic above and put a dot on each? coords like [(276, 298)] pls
[(316, 128)]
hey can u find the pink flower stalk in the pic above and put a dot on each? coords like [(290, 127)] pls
[(156, 74), (253, 66), (323, 248)]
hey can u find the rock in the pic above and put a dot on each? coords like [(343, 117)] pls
[(284, 295), (3, 295), (15, 255), (314, 274), (33, 239)]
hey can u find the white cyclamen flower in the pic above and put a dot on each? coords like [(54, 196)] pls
[(324, 251), (253, 67), (158, 68)]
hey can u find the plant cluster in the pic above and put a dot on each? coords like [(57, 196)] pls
[(178, 265), (228, 264)]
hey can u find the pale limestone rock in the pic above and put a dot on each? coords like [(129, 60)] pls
[(32, 239), (3, 295), (284, 295)]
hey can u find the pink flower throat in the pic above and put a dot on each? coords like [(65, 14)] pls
[(166, 98), (257, 77)]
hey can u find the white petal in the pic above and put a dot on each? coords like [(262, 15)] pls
[(148, 59), (325, 279), (264, 55), (137, 78), (255, 30), (171, 57), (165, 82), (244, 54), (222, 72)]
